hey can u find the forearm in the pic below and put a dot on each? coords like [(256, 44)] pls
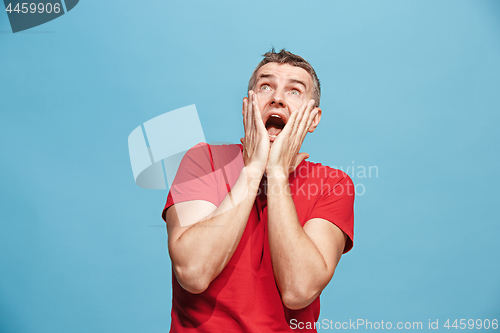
[(299, 268), (202, 251)]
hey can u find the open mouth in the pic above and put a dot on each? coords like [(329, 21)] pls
[(274, 125)]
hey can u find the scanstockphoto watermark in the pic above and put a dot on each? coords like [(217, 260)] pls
[(365, 324), (327, 324)]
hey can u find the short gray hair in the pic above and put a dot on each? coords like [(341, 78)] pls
[(285, 57)]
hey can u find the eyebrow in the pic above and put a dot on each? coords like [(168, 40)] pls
[(297, 81), (272, 76), (266, 76)]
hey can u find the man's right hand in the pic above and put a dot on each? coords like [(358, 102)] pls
[(256, 144), (203, 244)]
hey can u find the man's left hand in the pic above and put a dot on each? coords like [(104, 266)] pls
[(284, 156)]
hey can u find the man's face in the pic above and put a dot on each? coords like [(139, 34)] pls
[(282, 89)]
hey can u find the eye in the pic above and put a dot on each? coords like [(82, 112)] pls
[(265, 87), (295, 92)]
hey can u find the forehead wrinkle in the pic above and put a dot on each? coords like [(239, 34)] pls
[(274, 77), (266, 76)]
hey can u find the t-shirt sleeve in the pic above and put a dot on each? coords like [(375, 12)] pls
[(195, 179), (336, 204)]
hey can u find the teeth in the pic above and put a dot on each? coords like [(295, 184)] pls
[(275, 115)]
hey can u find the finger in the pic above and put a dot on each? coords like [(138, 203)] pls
[(251, 116), (248, 119), (255, 107), (308, 125), (312, 116), (290, 124), (250, 110), (303, 125), (244, 111), (258, 115), (300, 115)]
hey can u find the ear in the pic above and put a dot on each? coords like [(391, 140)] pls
[(315, 121)]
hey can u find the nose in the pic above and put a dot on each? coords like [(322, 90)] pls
[(277, 99)]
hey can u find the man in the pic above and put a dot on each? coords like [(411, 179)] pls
[(255, 232)]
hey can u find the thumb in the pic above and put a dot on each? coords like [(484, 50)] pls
[(300, 157)]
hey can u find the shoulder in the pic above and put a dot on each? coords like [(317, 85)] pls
[(201, 149), (334, 201), (223, 155), (205, 151), (225, 148)]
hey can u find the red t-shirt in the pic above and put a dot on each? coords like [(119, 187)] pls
[(244, 296)]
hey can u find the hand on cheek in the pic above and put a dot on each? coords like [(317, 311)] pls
[(256, 141), (284, 156)]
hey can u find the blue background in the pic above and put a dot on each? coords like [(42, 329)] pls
[(411, 87)]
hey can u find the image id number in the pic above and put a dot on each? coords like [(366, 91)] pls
[(33, 8), (472, 324)]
